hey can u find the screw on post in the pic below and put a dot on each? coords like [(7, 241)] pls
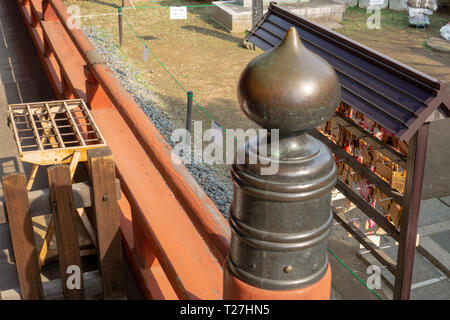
[(280, 223), (190, 95), (119, 11)]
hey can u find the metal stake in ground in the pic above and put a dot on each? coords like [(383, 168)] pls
[(280, 216), (190, 95), (119, 10)]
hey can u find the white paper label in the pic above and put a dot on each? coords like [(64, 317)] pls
[(178, 13), (376, 239), (145, 54), (376, 2)]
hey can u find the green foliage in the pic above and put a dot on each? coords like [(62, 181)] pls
[(391, 21), (444, 3)]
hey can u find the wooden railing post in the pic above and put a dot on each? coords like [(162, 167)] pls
[(47, 15), (142, 248), (22, 236), (34, 19), (47, 12), (95, 95), (48, 52), (106, 213), (280, 217), (60, 185), (67, 91), (410, 216), (120, 22)]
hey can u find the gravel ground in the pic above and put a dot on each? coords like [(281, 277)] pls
[(211, 178)]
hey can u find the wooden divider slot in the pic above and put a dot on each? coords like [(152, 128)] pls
[(22, 236), (60, 184)]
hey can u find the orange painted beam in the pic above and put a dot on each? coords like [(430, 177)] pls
[(69, 59), (36, 8), (235, 289), (152, 281)]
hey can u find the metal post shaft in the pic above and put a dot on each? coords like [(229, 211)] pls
[(190, 95), (120, 26)]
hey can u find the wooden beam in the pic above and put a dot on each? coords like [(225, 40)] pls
[(367, 209), (106, 212), (40, 199), (410, 214), (22, 236), (379, 254), (359, 167), (365, 135), (61, 196)]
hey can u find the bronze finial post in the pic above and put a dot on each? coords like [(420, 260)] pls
[(280, 222)]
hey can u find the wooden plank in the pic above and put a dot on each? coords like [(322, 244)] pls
[(153, 282), (365, 135), (55, 127), (51, 227), (40, 226), (74, 124), (379, 254), (22, 237), (40, 199), (33, 125), (365, 207), (36, 8), (410, 215), (102, 175), (359, 167), (61, 196)]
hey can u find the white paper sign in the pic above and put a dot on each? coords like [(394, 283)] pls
[(145, 54), (376, 2), (376, 239), (178, 13)]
